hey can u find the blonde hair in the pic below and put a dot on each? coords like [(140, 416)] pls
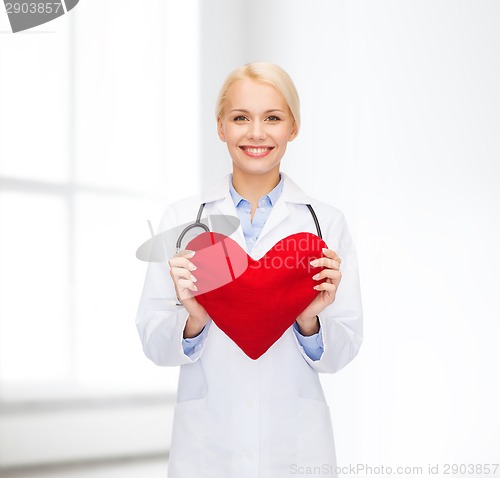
[(266, 73)]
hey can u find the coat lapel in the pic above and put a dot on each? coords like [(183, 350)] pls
[(279, 213), (223, 203), (281, 210), (219, 201)]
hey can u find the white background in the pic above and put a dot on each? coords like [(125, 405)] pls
[(400, 114), (401, 123)]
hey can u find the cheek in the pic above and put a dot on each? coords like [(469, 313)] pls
[(231, 134), (285, 136)]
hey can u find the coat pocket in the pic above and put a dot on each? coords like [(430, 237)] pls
[(188, 435), (315, 442)]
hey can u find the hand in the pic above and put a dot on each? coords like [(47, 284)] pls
[(307, 319), (184, 282)]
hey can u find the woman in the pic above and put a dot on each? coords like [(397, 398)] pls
[(236, 416)]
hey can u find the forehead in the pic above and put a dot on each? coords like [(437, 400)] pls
[(254, 95)]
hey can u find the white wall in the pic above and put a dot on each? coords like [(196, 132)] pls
[(93, 143), (400, 121), (400, 106)]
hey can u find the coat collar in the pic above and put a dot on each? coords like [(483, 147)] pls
[(224, 204), (291, 192)]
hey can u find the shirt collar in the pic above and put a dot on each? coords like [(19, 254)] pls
[(237, 198), (272, 195), (291, 191)]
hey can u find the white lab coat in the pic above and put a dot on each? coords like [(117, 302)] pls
[(241, 418)]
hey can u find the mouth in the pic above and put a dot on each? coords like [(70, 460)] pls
[(257, 151)]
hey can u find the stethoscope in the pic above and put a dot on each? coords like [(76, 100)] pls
[(198, 223)]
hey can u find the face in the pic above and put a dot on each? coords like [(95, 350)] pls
[(256, 125)]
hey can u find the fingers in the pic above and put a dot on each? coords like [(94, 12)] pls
[(184, 288), (326, 262), (333, 276), (327, 286), (332, 260), (331, 254), (181, 259), (184, 284), (331, 272), (180, 273), (180, 270)]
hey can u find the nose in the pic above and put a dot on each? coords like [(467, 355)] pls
[(256, 131)]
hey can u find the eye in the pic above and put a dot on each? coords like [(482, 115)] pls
[(273, 118), (239, 118)]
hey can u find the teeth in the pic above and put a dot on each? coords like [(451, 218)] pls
[(257, 150)]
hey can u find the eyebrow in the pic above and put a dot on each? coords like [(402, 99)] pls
[(265, 112)]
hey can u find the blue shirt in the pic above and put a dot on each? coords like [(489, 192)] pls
[(252, 229), (312, 344)]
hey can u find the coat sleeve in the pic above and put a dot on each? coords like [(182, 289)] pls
[(160, 322), (341, 322)]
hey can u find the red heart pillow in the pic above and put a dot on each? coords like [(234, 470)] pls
[(254, 302)]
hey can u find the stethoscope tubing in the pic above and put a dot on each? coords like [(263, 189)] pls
[(198, 223)]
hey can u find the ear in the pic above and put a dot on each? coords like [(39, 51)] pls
[(294, 132), (220, 130)]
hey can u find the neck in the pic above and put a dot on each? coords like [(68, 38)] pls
[(252, 186)]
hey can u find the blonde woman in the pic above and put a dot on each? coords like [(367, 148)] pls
[(238, 416)]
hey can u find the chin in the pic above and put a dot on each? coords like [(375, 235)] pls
[(256, 171), (255, 166)]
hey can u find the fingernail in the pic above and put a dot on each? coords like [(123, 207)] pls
[(190, 253), (325, 250), (192, 267), (314, 262), (194, 279), (195, 288), (316, 277)]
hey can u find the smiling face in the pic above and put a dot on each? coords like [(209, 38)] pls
[(256, 124)]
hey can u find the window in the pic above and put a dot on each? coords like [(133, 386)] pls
[(89, 105)]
